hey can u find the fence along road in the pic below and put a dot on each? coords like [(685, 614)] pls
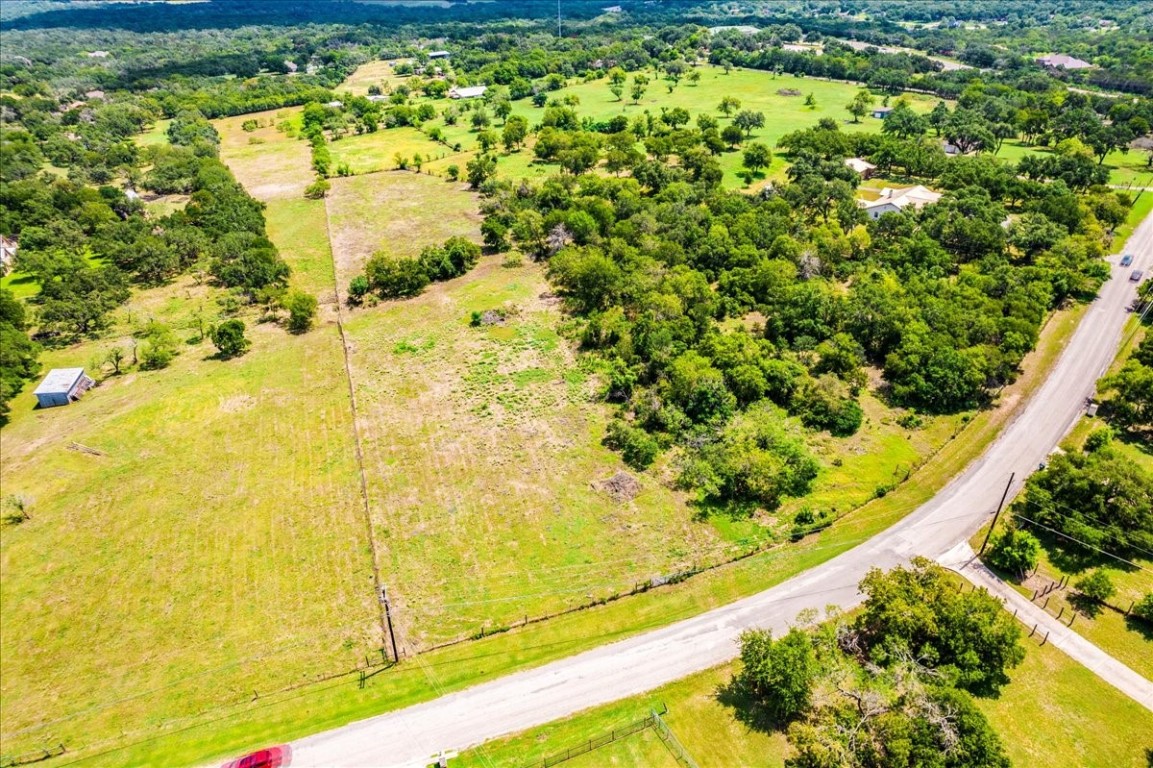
[(644, 662)]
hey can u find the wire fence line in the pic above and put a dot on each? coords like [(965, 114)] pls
[(672, 742), (616, 734), (31, 757)]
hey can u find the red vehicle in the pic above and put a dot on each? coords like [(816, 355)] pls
[(273, 757)]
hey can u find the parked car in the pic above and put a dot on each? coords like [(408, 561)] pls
[(1136, 276), (273, 757), (1127, 259)]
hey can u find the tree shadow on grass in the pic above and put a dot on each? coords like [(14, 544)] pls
[(1072, 558), (703, 509), (1086, 605), (745, 708), (1139, 625)]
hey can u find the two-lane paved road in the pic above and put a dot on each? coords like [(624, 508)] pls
[(537, 696)]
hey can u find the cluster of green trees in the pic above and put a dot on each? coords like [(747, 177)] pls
[(394, 277), (18, 353), (1092, 501), (1130, 390), (945, 301), (87, 238), (892, 686)]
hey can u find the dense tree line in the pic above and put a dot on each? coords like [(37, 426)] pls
[(893, 686), (1130, 390), (18, 352), (658, 265)]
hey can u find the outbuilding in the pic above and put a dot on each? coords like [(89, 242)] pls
[(470, 92), (861, 166), (61, 386), (882, 112)]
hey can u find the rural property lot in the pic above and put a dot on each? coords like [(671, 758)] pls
[(481, 449), (212, 547), (211, 543), (228, 521)]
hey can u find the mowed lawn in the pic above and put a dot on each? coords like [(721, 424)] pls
[(1054, 713)]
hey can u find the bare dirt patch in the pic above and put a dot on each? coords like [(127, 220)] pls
[(621, 487)]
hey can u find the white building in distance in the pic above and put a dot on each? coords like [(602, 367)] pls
[(896, 200), (469, 92), (1061, 61)]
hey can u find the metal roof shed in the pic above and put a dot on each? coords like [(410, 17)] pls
[(61, 386)]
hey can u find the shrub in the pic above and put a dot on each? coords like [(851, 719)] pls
[(159, 347), (637, 447), (452, 172), (358, 288), (317, 189), (1097, 586), (1144, 607), (229, 339), (301, 308), (394, 277), (1015, 551)]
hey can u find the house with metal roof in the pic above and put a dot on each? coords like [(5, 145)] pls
[(62, 386), (861, 166), (471, 92), (896, 200)]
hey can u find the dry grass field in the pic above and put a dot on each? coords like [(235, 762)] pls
[(398, 212)]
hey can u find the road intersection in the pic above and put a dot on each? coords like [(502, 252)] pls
[(641, 663)]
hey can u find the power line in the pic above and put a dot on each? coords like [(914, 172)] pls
[(1070, 512), (1085, 544)]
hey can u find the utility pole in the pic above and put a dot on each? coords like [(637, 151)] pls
[(996, 514), (388, 619)]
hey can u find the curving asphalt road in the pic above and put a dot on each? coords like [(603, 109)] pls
[(537, 696)]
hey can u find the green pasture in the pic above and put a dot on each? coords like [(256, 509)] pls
[(757, 90), (196, 535), (1126, 168), (218, 502)]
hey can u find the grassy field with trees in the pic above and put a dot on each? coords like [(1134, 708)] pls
[(643, 373)]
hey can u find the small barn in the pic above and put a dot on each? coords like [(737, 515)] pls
[(882, 112), (61, 386)]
